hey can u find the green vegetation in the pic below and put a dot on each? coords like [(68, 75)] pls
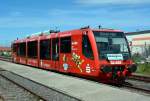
[(138, 58), (143, 68), (5, 54)]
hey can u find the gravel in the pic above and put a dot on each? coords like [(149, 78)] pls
[(12, 92)]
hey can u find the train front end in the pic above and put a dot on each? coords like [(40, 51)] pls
[(114, 56)]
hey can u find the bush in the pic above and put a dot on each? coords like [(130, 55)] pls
[(138, 58), (144, 68)]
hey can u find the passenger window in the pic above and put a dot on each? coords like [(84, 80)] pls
[(45, 47), (14, 47), (86, 47), (22, 49), (55, 49), (65, 45), (32, 49)]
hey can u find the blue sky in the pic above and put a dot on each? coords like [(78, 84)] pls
[(19, 18)]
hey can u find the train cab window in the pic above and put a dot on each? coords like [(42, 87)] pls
[(22, 49), (32, 49), (45, 47), (86, 47), (65, 45), (55, 49)]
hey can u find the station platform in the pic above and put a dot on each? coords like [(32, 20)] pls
[(80, 89)]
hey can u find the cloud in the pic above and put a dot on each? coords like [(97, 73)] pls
[(39, 22), (119, 19), (101, 2), (75, 18)]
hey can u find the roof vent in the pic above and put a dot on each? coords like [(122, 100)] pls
[(86, 27), (54, 31)]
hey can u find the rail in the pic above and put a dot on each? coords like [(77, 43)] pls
[(8, 59), (139, 83), (136, 88), (140, 78), (15, 83)]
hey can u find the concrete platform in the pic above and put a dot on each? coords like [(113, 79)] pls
[(78, 88)]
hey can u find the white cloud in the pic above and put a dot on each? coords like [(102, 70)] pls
[(77, 18), (98, 2)]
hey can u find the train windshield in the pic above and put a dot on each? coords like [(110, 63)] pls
[(112, 44)]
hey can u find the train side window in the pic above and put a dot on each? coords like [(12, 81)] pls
[(55, 49), (32, 49), (65, 45), (22, 49), (14, 47), (86, 47), (45, 47), (17, 49)]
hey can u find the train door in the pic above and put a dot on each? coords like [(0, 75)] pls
[(32, 53), (65, 53), (55, 53), (45, 54)]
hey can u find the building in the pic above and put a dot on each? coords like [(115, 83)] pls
[(139, 42), (5, 51)]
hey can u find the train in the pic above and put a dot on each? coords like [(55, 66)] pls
[(101, 54)]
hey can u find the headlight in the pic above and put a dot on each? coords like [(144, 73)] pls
[(132, 68), (106, 69)]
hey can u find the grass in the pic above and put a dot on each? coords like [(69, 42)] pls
[(143, 69)]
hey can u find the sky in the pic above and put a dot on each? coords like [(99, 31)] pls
[(20, 18)]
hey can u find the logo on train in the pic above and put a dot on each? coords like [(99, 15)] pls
[(77, 60), (65, 65)]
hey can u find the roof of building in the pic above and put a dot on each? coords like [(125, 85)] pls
[(138, 32), (5, 49)]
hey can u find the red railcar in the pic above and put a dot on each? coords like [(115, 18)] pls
[(101, 54)]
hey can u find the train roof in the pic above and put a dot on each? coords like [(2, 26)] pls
[(51, 34), (102, 30), (107, 30)]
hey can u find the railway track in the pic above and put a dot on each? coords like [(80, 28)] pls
[(137, 88), (8, 59), (138, 83), (135, 82), (13, 91), (140, 78)]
